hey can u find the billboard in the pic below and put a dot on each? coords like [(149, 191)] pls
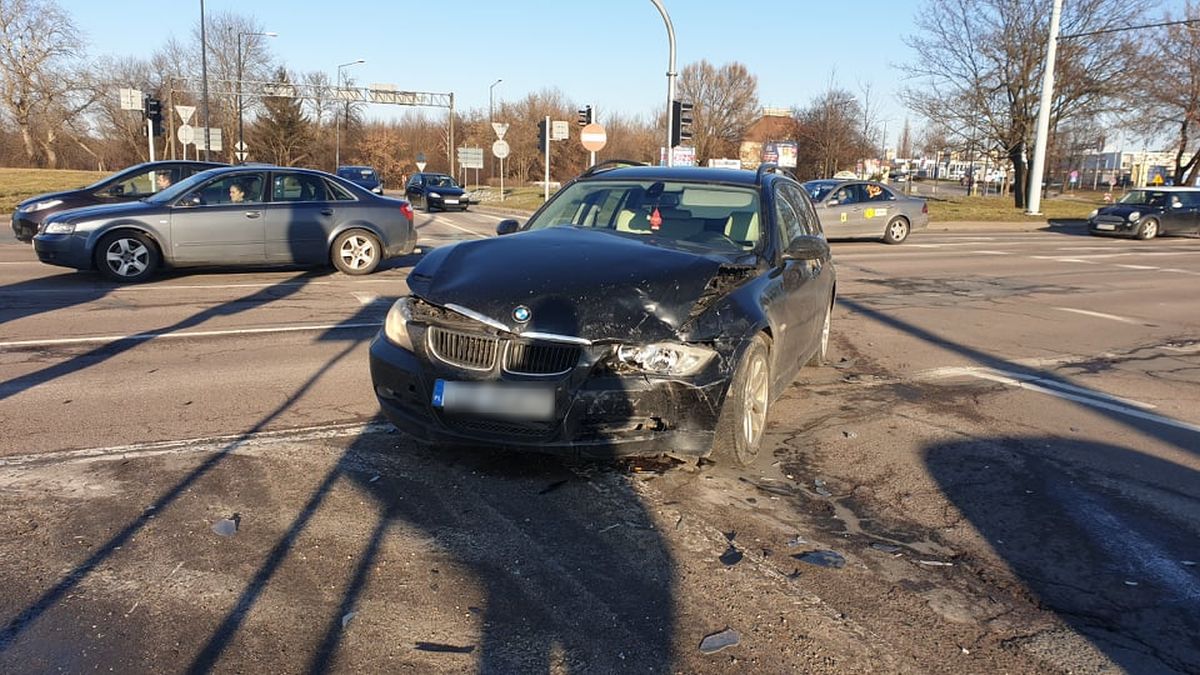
[(782, 153)]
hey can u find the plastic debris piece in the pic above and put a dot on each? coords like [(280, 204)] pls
[(795, 574), (965, 650), (831, 559), (935, 563), (346, 618), (886, 548), (1131, 583), (445, 649), (374, 478), (711, 644), (227, 527), (797, 541), (731, 556), (1189, 563), (819, 487), (849, 434)]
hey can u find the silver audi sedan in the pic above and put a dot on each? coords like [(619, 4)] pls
[(260, 215)]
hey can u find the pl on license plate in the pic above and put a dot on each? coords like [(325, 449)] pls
[(1105, 226), (530, 402), (450, 201)]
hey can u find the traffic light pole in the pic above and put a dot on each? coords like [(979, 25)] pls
[(546, 151), (150, 136)]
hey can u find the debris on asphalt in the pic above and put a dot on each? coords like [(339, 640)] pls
[(553, 486), (1188, 563), (346, 618), (886, 548), (831, 559), (442, 648), (711, 644), (795, 574), (731, 556), (849, 434), (819, 487), (796, 541), (1131, 583), (935, 563), (845, 363), (965, 650), (227, 527), (374, 478)]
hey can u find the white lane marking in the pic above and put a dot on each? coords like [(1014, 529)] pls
[(1138, 267), (1062, 259), (1007, 377), (227, 443), (1176, 270), (440, 221), (1092, 399), (493, 216), (1099, 315), (991, 252), (153, 335)]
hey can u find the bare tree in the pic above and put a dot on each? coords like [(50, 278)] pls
[(1170, 92), (831, 135), (904, 148), (42, 80), (726, 102), (978, 66)]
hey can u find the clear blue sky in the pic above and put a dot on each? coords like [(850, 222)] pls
[(611, 53)]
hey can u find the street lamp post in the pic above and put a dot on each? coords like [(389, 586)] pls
[(491, 102), (670, 77), (240, 67), (337, 120)]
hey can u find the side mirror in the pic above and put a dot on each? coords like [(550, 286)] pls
[(807, 248), (116, 190), (831, 202), (507, 226), (190, 200)]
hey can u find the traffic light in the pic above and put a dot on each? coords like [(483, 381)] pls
[(153, 112), (543, 135), (585, 116), (681, 122)]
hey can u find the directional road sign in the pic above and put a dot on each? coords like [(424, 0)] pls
[(131, 99), (559, 130)]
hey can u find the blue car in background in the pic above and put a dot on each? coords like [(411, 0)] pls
[(363, 176)]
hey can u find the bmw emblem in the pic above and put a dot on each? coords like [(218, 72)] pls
[(521, 314)]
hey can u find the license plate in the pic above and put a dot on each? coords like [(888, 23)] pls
[(450, 201), (1105, 226), (529, 402)]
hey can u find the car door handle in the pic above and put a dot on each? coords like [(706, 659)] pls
[(327, 212), (253, 214)]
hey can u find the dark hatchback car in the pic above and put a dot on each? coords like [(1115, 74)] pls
[(642, 310), (234, 216), (362, 176), (131, 184), (1146, 213), (436, 191)]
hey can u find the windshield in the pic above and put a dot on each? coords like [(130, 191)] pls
[(817, 190), (176, 190), (115, 178), (440, 181), (1144, 198), (717, 218)]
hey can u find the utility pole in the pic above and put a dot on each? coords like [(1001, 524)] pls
[(670, 77), (1034, 201), (204, 76)]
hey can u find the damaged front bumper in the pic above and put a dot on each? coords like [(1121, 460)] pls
[(598, 413)]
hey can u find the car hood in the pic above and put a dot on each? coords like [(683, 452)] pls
[(104, 211), (63, 195), (1123, 210), (576, 282)]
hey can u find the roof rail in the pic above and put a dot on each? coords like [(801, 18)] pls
[(608, 165)]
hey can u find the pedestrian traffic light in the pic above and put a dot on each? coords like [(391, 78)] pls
[(543, 134), (681, 122), (153, 111), (585, 116)]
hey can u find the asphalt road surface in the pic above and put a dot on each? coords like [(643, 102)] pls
[(1002, 459)]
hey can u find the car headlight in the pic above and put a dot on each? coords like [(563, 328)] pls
[(1134, 215), (395, 327), (43, 205), (435, 195), (666, 358), (1093, 214), (59, 228)]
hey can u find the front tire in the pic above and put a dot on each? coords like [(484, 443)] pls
[(356, 252), (127, 257), (1148, 229), (897, 231), (744, 414)]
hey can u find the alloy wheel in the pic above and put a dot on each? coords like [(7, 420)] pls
[(358, 252), (754, 416), (127, 257)]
